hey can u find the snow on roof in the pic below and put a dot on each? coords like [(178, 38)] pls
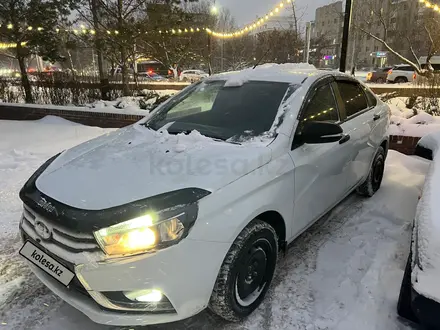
[(293, 73)]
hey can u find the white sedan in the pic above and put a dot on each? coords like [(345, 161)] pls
[(193, 75), (190, 207)]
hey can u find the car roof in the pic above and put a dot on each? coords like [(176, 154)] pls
[(292, 73)]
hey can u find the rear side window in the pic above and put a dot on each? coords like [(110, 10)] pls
[(353, 97), (404, 68), (321, 106)]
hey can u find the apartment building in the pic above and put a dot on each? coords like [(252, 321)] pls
[(276, 23), (390, 20), (327, 31)]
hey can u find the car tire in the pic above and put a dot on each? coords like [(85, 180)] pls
[(404, 303), (375, 176), (400, 80), (380, 81), (246, 272)]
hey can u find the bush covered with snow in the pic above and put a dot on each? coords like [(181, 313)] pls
[(411, 121)]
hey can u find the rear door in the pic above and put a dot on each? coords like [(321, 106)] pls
[(320, 169), (358, 120)]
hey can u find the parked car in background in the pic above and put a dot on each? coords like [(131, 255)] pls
[(144, 234), (193, 75), (399, 74), (419, 299), (378, 75), (151, 76)]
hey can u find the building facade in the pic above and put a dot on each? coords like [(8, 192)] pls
[(327, 33), (395, 21)]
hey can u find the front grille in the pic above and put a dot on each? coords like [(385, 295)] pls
[(64, 238), (75, 284)]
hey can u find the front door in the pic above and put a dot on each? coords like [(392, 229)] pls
[(320, 169)]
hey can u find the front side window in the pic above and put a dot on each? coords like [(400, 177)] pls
[(222, 112), (353, 97), (321, 106)]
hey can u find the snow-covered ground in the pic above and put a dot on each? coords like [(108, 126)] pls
[(344, 273)]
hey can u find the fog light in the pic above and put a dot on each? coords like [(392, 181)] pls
[(144, 295)]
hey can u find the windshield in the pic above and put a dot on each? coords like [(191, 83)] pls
[(221, 112)]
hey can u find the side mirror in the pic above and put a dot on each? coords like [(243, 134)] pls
[(316, 132)]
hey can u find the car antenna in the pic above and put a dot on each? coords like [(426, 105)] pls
[(261, 58)]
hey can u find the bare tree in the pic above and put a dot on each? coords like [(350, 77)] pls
[(403, 38)]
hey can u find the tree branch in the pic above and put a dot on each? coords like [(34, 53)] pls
[(401, 57)]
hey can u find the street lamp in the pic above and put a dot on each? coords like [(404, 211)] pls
[(214, 10)]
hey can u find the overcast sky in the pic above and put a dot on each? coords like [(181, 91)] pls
[(245, 11)]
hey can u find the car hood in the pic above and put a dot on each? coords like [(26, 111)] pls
[(135, 163)]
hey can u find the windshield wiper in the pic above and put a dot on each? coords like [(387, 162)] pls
[(215, 137)]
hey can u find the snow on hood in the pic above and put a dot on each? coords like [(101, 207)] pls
[(428, 226), (135, 163)]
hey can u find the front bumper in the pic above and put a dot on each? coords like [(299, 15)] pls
[(184, 273), (426, 310)]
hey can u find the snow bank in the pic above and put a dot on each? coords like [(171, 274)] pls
[(405, 123), (426, 272), (54, 120)]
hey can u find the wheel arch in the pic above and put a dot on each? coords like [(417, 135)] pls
[(402, 78), (385, 145), (276, 221)]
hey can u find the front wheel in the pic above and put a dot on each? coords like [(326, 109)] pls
[(374, 179), (246, 272)]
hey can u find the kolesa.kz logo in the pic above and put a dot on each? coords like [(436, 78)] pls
[(46, 263)]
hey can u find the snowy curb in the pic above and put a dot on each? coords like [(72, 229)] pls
[(74, 108)]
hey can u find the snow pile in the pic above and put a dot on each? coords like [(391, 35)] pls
[(54, 120), (269, 71), (411, 122), (426, 272), (134, 104)]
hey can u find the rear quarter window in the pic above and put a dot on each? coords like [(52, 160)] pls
[(353, 97)]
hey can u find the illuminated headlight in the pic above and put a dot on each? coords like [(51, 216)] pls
[(142, 234)]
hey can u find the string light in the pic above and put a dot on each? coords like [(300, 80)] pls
[(430, 5), (234, 34), (4, 45), (254, 25)]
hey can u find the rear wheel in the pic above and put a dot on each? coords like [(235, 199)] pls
[(246, 273), (380, 80), (374, 179), (401, 80)]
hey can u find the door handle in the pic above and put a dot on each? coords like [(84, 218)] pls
[(376, 117), (344, 139)]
